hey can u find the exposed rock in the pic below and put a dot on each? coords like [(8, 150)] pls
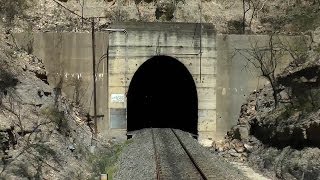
[(240, 149), (234, 153), (234, 149), (240, 132), (305, 75), (281, 141), (36, 127), (248, 147), (206, 142), (287, 163)]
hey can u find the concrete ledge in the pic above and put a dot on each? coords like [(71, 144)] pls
[(166, 26)]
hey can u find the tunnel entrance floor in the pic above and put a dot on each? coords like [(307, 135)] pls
[(162, 94)]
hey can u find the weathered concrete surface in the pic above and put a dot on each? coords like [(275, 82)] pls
[(179, 40), (223, 86), (236, 78), (68, 60)]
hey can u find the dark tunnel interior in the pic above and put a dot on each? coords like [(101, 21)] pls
[(162, 94)]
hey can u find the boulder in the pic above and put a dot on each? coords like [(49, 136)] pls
[(234, 153), (248, 147)]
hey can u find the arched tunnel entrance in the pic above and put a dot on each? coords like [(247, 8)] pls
[(162, 94)]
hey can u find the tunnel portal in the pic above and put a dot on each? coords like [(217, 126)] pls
[(162, 94)]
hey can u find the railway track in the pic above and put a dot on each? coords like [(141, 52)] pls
[(169, 154), (172, 158)]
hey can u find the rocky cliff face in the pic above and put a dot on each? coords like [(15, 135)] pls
[(42, 134), (287, 17), (285, 140)]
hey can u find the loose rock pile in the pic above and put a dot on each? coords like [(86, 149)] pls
[(232, 149)]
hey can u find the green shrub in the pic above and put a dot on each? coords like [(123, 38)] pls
[(7, 80), (45, 151), (235, 26), (104, 161), (58, 118), (165, 11)]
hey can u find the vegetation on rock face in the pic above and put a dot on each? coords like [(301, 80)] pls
[(58, 119), (284, 16), (247, 16), (7, 81), (104, 161), (12, 8), (303, 16)]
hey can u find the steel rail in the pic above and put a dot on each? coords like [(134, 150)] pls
[(157, 159), (203, 176)]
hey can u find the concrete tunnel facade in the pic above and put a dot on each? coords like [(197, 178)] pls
[(167, 74), (162, 94)]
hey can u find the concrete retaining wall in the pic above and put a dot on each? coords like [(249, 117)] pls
[(223, 86)]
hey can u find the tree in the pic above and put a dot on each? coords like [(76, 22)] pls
[(265, 58), (253, 6)]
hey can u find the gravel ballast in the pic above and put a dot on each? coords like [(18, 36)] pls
[(137, 160), (174, 161), (213, 166)]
